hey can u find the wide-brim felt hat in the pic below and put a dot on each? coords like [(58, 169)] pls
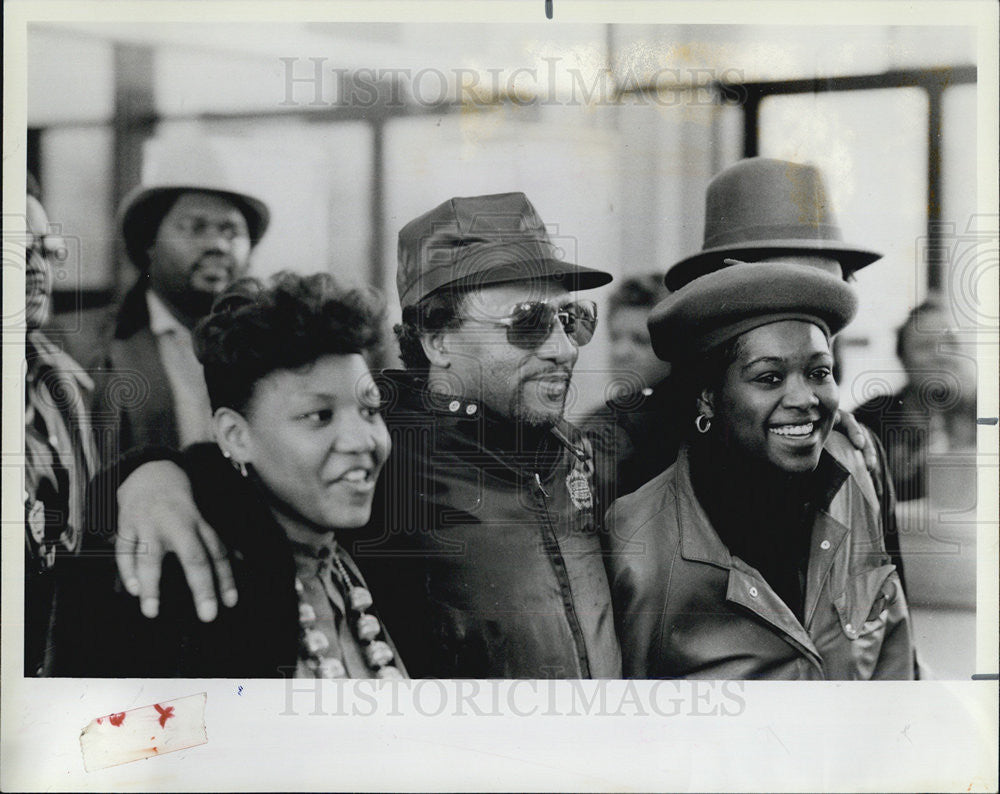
[(720, 306), (762, 207), (142, 211), (477, 241), (185, 163)]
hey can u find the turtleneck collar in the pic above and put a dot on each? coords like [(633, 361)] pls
[(764, 516), (719, 472)]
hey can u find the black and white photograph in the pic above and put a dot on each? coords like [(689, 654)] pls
[(500, 396)]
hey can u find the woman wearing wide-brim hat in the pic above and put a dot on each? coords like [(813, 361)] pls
[(759, 553)]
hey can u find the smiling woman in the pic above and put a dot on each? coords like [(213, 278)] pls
[(776, 400), (294, 402), (296, 412), (763, 552)]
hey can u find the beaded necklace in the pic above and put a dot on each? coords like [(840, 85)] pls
[(365, 627)]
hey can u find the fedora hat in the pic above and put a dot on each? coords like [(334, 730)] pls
[(719, 306), (173, 167), (478, 241), (760, 208)]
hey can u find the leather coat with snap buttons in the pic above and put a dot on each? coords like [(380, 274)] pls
[(686, 607)]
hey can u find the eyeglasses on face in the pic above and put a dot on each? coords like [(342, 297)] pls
[(530, 323), (198, 226), (50, 246)]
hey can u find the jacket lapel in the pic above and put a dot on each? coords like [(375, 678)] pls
[(151, 420), (828, 550), (749, 590)]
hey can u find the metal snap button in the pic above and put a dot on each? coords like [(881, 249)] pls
[(825, 545), (753, 592), (454, 405), (470, 409)]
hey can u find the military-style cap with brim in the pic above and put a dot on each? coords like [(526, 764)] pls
[(721, 306), (478, 241), (761, 208), (142, 211)]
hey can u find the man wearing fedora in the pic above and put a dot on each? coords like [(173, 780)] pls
[(758, 210), (484, 551), (188, 241)]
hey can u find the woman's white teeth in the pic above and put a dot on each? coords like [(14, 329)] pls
[(356, 475), (793, 430)]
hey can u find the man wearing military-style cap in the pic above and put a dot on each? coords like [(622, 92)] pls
[(190, 232), (484, 551), (495, 495)]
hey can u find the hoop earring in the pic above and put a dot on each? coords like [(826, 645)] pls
[(702, 423)]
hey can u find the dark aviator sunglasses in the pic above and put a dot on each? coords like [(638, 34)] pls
[(530, 323)]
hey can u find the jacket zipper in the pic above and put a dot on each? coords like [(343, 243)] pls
[(559, 565), (545, 494)]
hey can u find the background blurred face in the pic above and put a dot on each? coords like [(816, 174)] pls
[(777, 401), (202, 245), (317, 440), (631, 350), (38, 268), (528, 386), (934, 356)]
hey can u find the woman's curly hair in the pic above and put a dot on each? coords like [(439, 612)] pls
[(255, 329)]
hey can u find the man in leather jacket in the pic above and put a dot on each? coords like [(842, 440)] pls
[(484, 552)]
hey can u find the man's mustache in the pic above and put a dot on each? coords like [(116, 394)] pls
[(214, 259), (549, 374)]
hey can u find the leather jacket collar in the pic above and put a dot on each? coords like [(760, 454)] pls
[(470, 429)]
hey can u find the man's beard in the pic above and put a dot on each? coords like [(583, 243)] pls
[(519, 410), (200, 292)]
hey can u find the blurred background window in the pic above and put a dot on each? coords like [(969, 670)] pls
[(872, 148)]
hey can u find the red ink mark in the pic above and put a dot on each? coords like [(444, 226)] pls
[(117, 719), (100, 720), (165, 714)]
